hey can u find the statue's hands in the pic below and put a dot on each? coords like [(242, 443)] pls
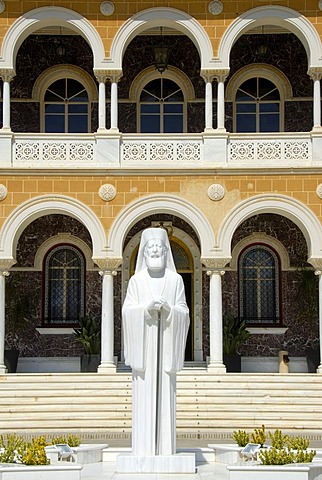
[(158, 304)]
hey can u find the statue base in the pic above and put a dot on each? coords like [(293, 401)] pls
[(178, 463)]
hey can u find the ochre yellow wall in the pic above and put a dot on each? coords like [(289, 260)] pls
[(108, 26), (190, 188)]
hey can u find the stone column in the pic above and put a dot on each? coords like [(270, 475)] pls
[(6, 75), (221, 76), (208, 77), (114, 79), (215, 272), (101, 77), (3, 274), (108, 271), (316, 74), (319, 273)]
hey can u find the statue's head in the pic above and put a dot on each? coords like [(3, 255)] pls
[(155, 253)]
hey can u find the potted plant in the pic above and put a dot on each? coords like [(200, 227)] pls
[(89, 335), (234, 334)]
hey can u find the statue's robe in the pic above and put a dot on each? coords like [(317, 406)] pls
[(154, 406)]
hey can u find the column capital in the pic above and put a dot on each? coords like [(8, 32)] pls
[(108, 266), (209, 74), (316, 263), (5, 265), (103, 74), (315, 73), (7, 74), (215, 265)]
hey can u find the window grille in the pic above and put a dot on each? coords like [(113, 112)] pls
[(259, 286), (64, 286)]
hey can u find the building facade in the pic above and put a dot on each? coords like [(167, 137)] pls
[(222, 146)]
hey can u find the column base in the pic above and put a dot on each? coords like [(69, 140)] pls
[(319, 369), (3, 369), (107, 368), (178, 463), (216, 367), (317, 128)]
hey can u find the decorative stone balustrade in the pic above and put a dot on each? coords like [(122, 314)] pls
[(184, 151)]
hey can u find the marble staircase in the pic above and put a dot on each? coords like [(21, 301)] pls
[(209, 406)]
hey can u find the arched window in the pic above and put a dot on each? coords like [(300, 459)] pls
[(257, 106), (161, 107), (259, 286), (64, 277), (258, 93), (66, 107)]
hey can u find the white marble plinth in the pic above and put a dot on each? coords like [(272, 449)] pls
[(178, 463)]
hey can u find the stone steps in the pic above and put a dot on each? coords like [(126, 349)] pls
[(207, 404)]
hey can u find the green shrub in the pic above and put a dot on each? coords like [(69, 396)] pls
[(70, 439), (303, 456), (241, 437), (273, 456), (278, 440), (35, 453), (13, 446), (259, 435), (298, 443)]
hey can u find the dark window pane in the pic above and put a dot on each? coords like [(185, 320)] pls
[(55, 124), (54, 108), (152, 91), (150, 124), (250, 87), (267, 88), (77, 108), (77, 124), (173, 124), (173, 108), (246, 108), (75, 90), (246, 123), (269, 107), (269, 123), (56, 91), (150, 108)]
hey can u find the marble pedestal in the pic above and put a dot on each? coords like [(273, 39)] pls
[(178, 463)]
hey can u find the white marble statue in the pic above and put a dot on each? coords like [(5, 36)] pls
[(155, 324)]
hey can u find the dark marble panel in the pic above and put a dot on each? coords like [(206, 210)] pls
[(39, 52), (127, 117), (25, 117), (139, 55), (196, 117), (280, 228), (298, 116), (176, 222), (118, 315), (94, 117), (284, 51), (43, 228)]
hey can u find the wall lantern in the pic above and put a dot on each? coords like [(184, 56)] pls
[(161, 55)]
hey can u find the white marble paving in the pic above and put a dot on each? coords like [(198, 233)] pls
[(106, 471)]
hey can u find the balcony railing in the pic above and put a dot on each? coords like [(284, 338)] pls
[(182, 151)]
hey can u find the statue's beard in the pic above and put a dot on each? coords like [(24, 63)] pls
[(155, 263)]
